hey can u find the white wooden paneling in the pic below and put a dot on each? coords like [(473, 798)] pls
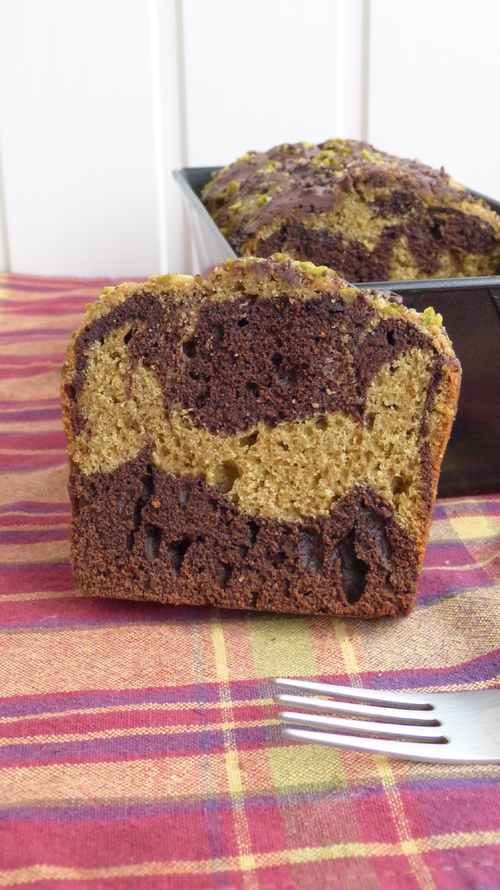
[(434, 85), (78, 139), (265, 72)]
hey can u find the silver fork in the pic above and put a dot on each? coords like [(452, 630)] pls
[(446, 727)]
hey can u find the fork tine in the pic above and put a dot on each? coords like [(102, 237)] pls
[(406, 750), (424, 733), (396, 715), (375, 697)]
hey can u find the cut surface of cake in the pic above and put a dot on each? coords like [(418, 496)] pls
[(367, 214), (269, 439)]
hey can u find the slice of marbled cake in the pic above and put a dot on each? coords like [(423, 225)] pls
[(270, 439)]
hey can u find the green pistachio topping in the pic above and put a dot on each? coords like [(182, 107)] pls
[(348, 294), (311, 269), (430, 316)]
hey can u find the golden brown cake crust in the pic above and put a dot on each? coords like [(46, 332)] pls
[(269, 439)]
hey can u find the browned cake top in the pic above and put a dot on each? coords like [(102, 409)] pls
[(346, 204)]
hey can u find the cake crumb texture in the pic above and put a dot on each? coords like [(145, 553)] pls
[(269, 439)]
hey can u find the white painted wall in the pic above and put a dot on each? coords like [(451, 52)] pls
[(78, 141), (435, 85), (100, 100), (283, 74)]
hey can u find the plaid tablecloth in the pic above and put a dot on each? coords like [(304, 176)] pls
[(139, 744)]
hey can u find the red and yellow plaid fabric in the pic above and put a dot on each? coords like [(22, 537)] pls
[(139, 744)]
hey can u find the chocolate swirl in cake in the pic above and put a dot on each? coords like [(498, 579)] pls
[(274, 417)]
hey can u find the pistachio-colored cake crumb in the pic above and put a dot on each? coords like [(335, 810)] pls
[(367, 214)]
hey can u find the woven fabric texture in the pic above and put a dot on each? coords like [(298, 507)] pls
[(139, 744)]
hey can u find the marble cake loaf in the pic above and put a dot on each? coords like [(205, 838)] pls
[(369, 215), (269, 439)]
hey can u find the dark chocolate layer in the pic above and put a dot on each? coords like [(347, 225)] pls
[(140, 531), (428, 236), (256, 360), (447, 230), (323, 246)]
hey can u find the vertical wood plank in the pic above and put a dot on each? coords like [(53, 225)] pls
[(354, 69), (159, 151), (434, 82), (78, 142), (172, 111)]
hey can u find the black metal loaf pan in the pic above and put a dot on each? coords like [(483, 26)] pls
[(471, 311)]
